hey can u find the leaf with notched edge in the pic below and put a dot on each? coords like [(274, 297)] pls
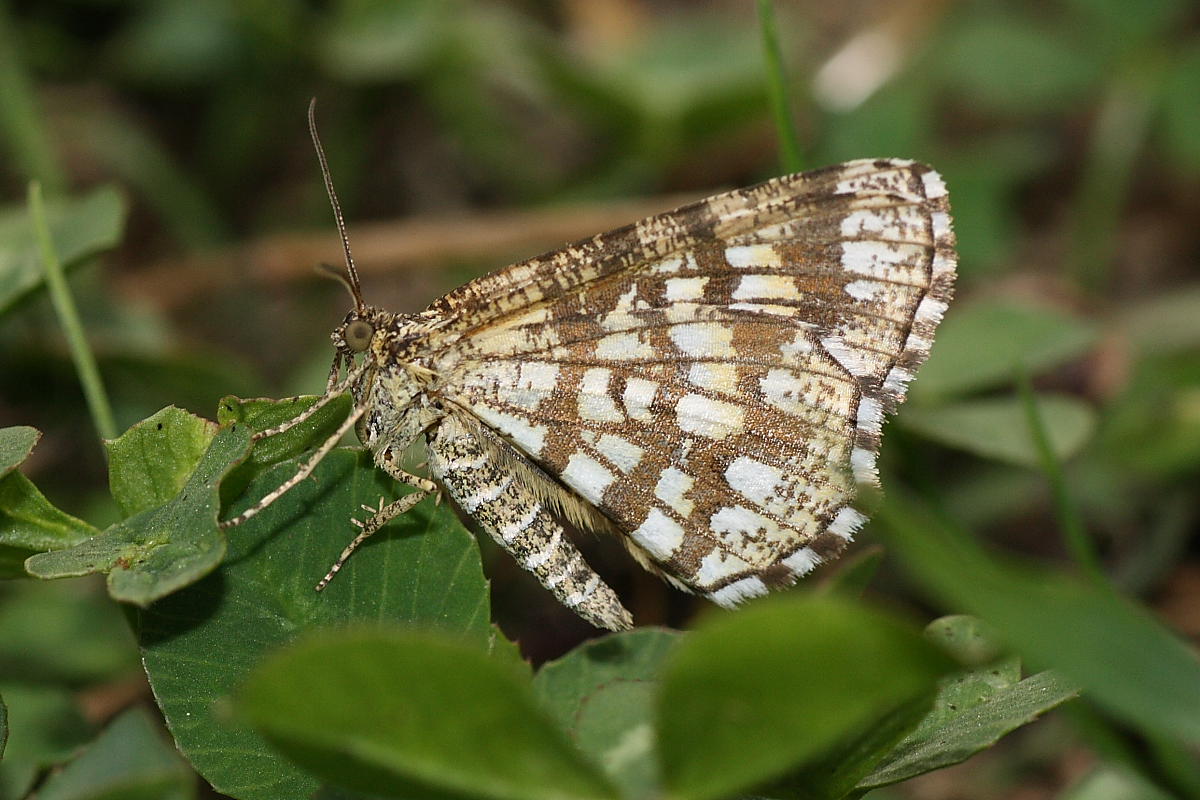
[(163, 549), (199, 644)]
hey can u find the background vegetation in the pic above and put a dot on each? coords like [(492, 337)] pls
[(1058, 420)]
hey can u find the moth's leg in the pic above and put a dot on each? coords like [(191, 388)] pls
[(303, 472), (332, 391), (389, 460), (379, 517), (490, 488)]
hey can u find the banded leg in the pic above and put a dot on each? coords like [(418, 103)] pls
[(486, 485), (379, 517), (389, 461)]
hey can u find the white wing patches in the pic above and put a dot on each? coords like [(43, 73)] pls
[(713, 380), (729, 596), (894, 223), (753, 479), (623, 347), (765, 287), (746, 256), (588, 476), (713, 419), (686, 289), (807, 396), (851, 360), (714, 376), (743, 530), (900, 262), (536, 380), (935, 187), (659, 535), (867, 179), (672, 488), (862, 463), (846, 522), (638, 397), (802, 562), (930, 310), (800, 345), (865, 290), (622, 453), (718, 565), (940, 222), (870, 415), (595, 404), (672, 264), (704, 339), (529, 437)]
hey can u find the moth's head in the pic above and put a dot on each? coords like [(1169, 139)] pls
[(357, 331)]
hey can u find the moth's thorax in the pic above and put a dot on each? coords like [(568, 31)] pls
[(397, 386)]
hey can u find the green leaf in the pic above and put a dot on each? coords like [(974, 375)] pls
[(149, 464), (1110, 783), (836, 772), (955, 731), (1181, 117), (161, 550), (263, 414), (602, 693), (1167, 322), (965, 638), (79, 228), (372, 42), (998, 428), (30, 524), (200, 643), (413, 714), (507, 651), (1115, 651), (854, 573), (3, 726), (44, 727), (1006, 64), (65, 631), (980, 346), (16, 443), (969, 640), (129, 760), (796, 675)]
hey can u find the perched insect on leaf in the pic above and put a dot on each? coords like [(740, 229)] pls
[(707, 384)]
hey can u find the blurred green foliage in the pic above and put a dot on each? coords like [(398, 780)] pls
[(1069, 135)]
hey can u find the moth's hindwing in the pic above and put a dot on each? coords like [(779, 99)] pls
[(714, 379)]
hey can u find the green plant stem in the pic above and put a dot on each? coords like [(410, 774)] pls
[(68, 317), (1118, 137), (777, 89), (22, 131), (1079, 544)]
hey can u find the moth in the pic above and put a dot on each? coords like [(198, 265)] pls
[(707, 384)]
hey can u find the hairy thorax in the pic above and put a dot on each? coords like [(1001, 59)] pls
[(401, 390)]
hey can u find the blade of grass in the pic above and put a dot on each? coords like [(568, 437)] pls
[(20, 123), (777, 89), (1079, 544), (68, 317), (1118, 140)]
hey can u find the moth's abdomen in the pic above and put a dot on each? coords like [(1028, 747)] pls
[(501, 500)]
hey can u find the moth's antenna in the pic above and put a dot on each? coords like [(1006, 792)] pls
[(338, 274), (351, 272)]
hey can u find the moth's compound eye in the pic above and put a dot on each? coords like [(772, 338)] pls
[(358, 335)]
